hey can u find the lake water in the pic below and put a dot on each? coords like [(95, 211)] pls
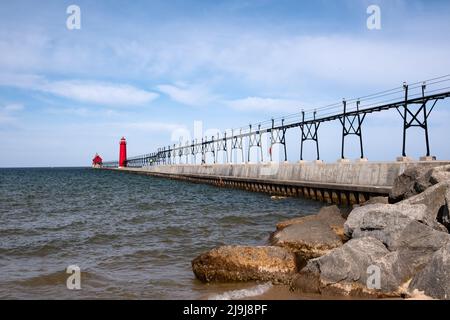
[(133, 237)]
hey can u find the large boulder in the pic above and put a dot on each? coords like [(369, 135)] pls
[(345, 269), (413, 250), (434, 279), (417, 243), (311, 236), (386, 222), (342, 271), (437, 201), (415, 180), (243, 263)]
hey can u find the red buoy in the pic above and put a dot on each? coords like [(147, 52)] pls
[(123, 153)]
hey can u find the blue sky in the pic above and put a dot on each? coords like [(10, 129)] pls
[(147, 69)]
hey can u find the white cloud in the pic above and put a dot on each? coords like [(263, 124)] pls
[(6, 119), (282, 62), (265, 104), (13, 107), (82, 112), (110, 94), (148, 126), (189, 95), (100, 93), (8, 113)]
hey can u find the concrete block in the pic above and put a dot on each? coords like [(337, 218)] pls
[(427, 158), (404, 159)]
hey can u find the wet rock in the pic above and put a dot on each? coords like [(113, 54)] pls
[(311, 236), (343, 271), (299, 220), (387, 221), (415, 180), (434, 279), (243, 263)]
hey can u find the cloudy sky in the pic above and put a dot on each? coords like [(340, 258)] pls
[(148, 69)]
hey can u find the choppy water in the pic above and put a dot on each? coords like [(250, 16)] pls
[(132, 236)]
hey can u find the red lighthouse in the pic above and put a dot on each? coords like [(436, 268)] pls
[(97, 162), (123, 153)]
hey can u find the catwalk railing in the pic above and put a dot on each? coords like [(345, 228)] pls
[(414, 103)]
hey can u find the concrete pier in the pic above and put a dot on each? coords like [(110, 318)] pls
[(344, 183)]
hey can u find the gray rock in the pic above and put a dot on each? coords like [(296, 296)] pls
[(434, 279), (384, 222), (437, 201), (331, 215), (343, 270), (415, 180), (393, 272), (374, 200), (242, 263), (417, 243), (311, 236), (414, 249), (387, 221)]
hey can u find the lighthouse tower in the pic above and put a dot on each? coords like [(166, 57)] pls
[(123, 153)]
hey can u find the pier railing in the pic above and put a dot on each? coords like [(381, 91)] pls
[(414, 103)]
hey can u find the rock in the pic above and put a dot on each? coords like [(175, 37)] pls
[(415, 180), (440, 174), (434, 279), (343, 270), (331, 213), (437, 202), (387, 221), (383, 200), (417, 243), (414, 249), (393, 272), (299, 220), (373, 200), (383, 222), (311, 236), (242, 263)]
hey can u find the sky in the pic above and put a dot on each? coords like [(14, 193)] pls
[(148, 70)]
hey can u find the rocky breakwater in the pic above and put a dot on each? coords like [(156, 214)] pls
[(388, 247)]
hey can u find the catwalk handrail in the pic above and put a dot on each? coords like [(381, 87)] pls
[(358, 112)]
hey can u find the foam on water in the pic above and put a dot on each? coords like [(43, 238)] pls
[(242, 293)]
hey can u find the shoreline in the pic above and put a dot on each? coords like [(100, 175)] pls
[(392, 247)]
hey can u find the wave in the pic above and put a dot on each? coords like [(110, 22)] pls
[(51, 279), (242, 293), (236, 219)]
